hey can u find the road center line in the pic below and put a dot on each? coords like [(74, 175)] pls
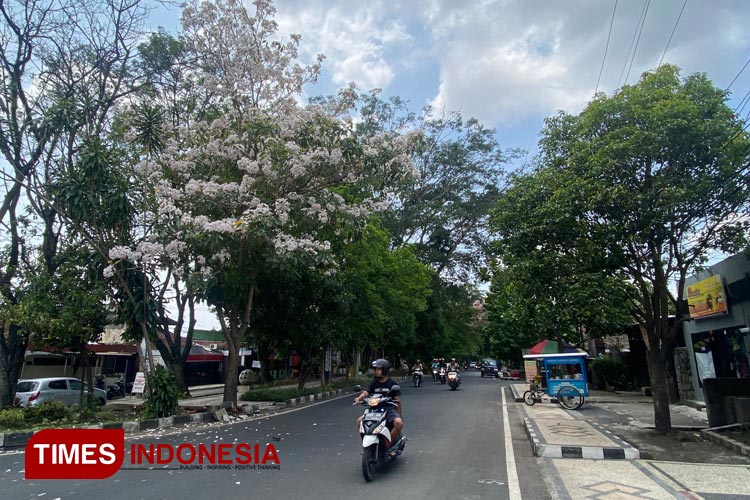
[(514, 489)]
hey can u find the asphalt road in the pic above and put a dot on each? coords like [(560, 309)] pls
[(456, 450)]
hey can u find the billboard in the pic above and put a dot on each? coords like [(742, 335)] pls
[(707, 298)]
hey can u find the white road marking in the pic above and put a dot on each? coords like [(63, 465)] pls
[(514, 490)]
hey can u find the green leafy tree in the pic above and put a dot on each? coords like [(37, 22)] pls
[(657, 174), (63, 66), (444, 209)]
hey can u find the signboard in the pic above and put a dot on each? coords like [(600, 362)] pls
[(530, 368), (707, 298), (256, 363), (139, 383)]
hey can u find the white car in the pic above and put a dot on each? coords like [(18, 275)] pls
[(35, 391)]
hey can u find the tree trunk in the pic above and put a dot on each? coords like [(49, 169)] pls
[(323, 368), (12, 355), (230, 380), (659, 393), (180, 374), (302, 376), (263, 354), (356, 355)]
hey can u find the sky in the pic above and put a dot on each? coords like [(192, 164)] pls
[(511, 63)]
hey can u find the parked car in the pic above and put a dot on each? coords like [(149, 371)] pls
[(489, 368), (35, 391)]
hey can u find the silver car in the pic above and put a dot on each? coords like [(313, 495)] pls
[(35, 391)]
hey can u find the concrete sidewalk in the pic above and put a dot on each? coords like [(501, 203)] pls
[(607, 449)]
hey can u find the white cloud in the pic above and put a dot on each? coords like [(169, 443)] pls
[(356, 42), (504, 60)]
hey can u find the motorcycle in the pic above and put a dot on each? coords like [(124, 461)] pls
[(453, 380), (117, 390), (375, 434), (441, 375), (434, 374), (417, 377)]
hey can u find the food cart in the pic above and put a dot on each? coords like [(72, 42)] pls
[(563, 376)]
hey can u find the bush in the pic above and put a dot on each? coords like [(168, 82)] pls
[(163, 394), (53, 411), (12, 418), (611, 372)]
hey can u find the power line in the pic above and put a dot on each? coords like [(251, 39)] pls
[(738, 74), (741, 106), (643, 23), (673, 30), (606, 48), (630, 50)]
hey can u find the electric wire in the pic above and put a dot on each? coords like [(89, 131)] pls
[(672, 34), (630, 50), (738, 75), (643, 23), (606, 47)]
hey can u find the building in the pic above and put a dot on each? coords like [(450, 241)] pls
[(717, 337)]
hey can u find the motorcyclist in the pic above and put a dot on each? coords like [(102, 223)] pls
[(100, 382), (417, 366), (435, 367), (454, 367), (381, 384)]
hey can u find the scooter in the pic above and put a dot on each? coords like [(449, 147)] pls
[(453, 380), (441, 375), (375, 434), (434, 374), (417, 378), (117, 390)]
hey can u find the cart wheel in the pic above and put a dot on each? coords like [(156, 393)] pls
[(569, 397), (528, 398)]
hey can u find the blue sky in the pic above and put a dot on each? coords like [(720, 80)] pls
[(509, 63)]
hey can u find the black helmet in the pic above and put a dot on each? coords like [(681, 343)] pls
[(382, 364)]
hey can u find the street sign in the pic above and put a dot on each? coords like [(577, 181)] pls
[(139, 384)]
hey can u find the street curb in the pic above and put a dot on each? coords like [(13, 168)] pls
[(10, 440), (626, 452), (732, 444), (517, 397), (312, 397), (323, 395)]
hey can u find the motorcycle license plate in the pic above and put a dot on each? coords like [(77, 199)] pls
[(374, 415)]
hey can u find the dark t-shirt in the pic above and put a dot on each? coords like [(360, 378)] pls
[(378, 387)]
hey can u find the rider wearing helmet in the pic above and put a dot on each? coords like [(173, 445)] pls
[(417, 366), (454, 367), (381, 384)]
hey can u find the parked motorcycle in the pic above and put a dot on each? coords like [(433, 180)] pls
[(117, 390), (453, 380), (417, 375), (441, 375), (375, 434)]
